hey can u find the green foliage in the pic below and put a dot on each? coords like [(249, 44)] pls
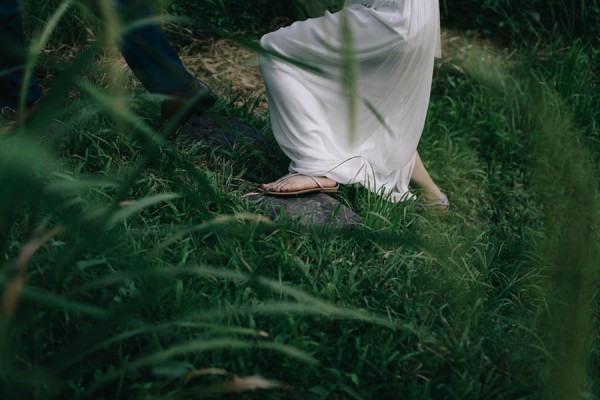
[(77, 27), (243, 18), (508, 20), (517, 21), (131, 267), (303, 9), (228, 16)]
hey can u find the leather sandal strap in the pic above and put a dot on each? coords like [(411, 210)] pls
[(292, 174), (8, 113), (316, 181)]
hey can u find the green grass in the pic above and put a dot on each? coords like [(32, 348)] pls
[(131, 264)]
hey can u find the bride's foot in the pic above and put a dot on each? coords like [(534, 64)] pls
[(298, 184), (438, 201)]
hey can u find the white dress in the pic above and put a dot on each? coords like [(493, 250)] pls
[(348, 92)]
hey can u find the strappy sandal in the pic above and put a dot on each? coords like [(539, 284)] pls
[(319, 189), (439, 205)]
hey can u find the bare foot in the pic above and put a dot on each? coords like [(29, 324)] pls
[(299, 183)]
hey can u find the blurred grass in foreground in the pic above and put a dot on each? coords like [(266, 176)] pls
[(132, 268)]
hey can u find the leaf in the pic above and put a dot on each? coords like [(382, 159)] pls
[(238, 385), (139, 205), (38, 44), (76, 186), (53, 300), (217, 222), (349, 76), (171, 369), (197, 347)]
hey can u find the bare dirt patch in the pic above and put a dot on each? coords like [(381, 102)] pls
[(231, 68)]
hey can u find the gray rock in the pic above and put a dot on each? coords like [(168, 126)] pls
[(225, 133), (248, 146), (230, 138), (315, 209)]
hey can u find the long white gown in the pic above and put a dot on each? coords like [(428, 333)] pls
[(348, 92)]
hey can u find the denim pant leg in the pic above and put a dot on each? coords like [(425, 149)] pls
[(150, 55), (12, 57)]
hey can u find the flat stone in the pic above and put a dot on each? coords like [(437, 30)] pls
[(248, 146), (224, 133), (316, 209), (230, 138)]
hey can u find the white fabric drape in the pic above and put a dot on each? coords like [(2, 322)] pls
[(348, 92)]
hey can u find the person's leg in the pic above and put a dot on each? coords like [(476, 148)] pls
[(155, 63), (289, 101), (150, 55), (421, 180), (285, 92), (12, 59)]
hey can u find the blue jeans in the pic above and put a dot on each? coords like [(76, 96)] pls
[(146, 49), (12, 57)]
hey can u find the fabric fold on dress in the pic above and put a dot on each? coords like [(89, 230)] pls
[(357, 114)]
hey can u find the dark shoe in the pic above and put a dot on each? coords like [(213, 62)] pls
[(174, 112)]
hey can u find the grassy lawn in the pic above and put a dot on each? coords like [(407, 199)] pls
[(132, 267)]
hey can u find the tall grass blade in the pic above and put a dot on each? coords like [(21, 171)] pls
[(37, 45)]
